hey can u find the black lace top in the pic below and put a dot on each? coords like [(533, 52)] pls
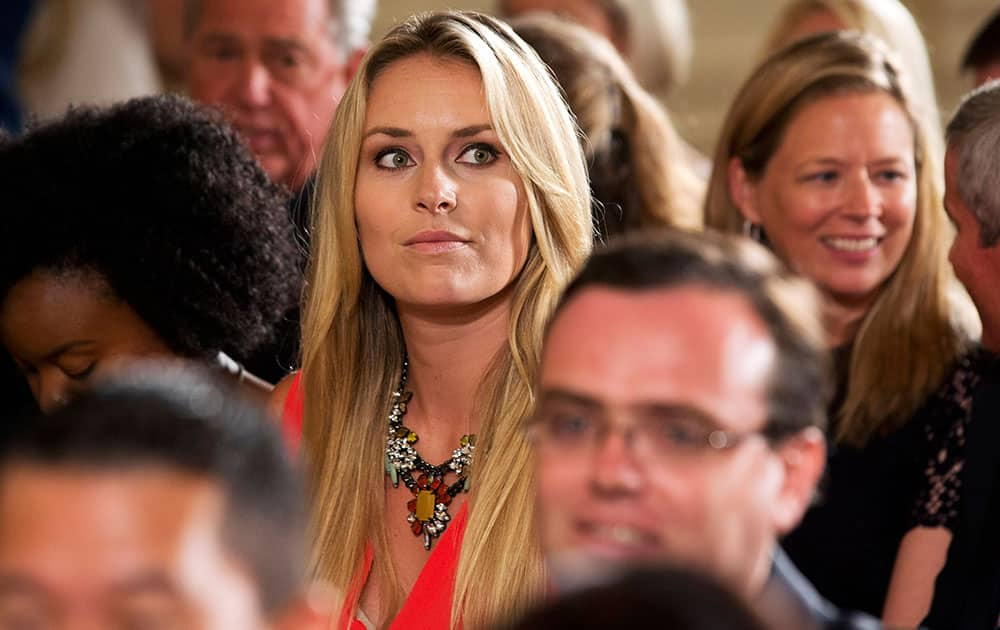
[(846, 545)]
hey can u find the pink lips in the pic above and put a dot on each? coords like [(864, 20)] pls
[(435, 241)]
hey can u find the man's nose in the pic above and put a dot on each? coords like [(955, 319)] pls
[(254, 87), (614, 469)]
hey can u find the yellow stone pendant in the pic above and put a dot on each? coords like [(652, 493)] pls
[(425, 505)]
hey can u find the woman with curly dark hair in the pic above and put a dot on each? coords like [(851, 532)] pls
[(141, 229)]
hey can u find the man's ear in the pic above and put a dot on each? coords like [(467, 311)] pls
[(804, 458), (743, 191), (311, 610)]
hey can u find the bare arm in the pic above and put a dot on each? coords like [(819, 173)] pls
[(920, 558)]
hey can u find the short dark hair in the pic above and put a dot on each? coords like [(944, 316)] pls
[(799, 386), (647, 598), (161, 199), (985, 46), (185, 420)]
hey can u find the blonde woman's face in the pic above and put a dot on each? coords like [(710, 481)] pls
[(837, 199), (441, 213)]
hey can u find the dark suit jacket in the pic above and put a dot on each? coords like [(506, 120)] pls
[(967, 593), (791, 595)]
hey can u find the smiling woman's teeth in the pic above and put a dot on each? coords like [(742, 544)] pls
[(851, 244)]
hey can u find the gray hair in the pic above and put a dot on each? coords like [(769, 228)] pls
[(974, 134), (349, 28)]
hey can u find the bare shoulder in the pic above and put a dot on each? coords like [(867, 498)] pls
[(276, 400)]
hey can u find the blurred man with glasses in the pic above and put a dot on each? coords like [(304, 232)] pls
[(680, 415)]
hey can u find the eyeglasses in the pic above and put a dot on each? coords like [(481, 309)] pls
[(651, 437)]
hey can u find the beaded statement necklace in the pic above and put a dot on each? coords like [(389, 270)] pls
[(432, 494)]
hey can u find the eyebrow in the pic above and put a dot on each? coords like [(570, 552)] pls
[(285, 42), (66, 347), (399, 132), (676, 410), (16, 584), (147, 581)]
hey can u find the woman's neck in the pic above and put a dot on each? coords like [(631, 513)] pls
[(842, 319), (449, 354)]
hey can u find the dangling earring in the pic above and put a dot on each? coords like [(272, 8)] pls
[(753, 231)]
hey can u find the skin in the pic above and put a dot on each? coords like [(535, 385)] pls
[(66, 331), (985, 74), (695, 349), (814, 23), (114, 549), (844, 171), (587, 14), (976, 266), (430, 161), (275, 73)]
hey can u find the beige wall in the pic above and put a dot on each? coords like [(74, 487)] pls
[(728, 36)]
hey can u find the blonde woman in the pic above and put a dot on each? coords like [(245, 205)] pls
[(452, 207), (823, 158), (636, 159)]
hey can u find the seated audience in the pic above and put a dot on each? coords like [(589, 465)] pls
[(277, 69), (452, 207), (634, 156), (158, 501), (967, 595), (823, 158), (650, 598), (982, 57), (143, 229), (679, 418)]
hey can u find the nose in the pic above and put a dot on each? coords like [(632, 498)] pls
[(863, 198), (254, 85), (615, 470), (437, 192), (52, 390)]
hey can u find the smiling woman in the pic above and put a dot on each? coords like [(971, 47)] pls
[(453, 205), (825, 158), (159, 236)]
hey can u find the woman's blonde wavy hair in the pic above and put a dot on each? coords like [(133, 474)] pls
[(352, 344), (920, 323)]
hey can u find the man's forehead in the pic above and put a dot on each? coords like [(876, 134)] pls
[(277, 18), (681, 343)]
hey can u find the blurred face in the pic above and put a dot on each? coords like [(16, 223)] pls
[(588, 14), (114, 550), (646, 437), (66, 331), (441, 213), (837, 199), (814, 23), (976, 266), (273, 69)]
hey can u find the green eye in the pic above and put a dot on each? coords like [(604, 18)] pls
[(479, 155), (393, 159)]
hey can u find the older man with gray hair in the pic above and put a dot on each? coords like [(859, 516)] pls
[(277, 69), (967, 594)]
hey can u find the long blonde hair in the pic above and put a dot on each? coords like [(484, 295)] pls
[(910, 337), (352, 342), (636, 157)]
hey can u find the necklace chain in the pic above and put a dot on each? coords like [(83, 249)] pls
[(429, 514)]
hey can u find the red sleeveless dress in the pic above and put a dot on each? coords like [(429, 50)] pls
[(428, 606)]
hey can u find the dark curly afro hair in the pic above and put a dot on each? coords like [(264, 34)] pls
[(162, 200)]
